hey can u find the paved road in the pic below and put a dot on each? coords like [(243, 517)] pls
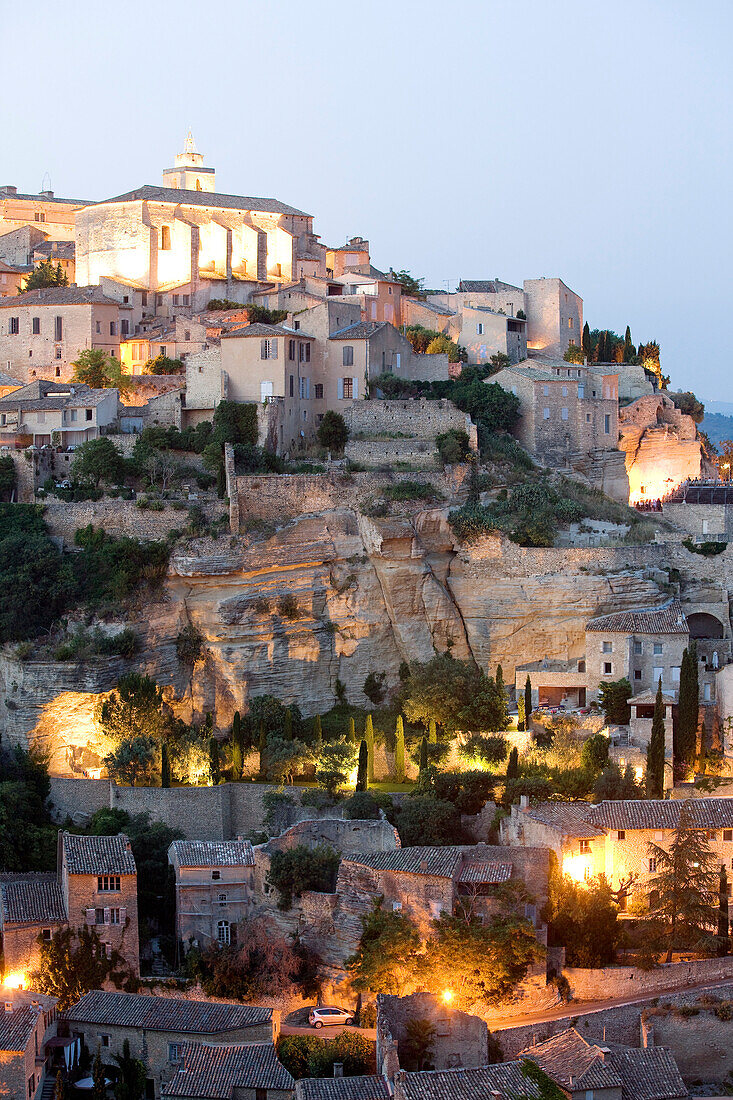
[(580, 1008)]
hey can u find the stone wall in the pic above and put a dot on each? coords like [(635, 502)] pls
[(416, 452), (416, 417), (629, 981), (460, 1039), (119, 517)]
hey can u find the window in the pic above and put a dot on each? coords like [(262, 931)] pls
[(222, 899), (114, 916), (545, 414), (175, 299), (657, 649), (187, 302), (347, 388), (260, 1094), (159, 299), (32, 1079), (291, 350), (637, 674), (106, 884), (319, 391), (99, 916), (14, 326), (215, 876), (347, 356), (104, 1039), (564, 414), (638, 648), (675, 674), (587, 418), (546, 391), (657, 675), (165, 238), (186, 334), (585, 847), (268, 349), (565, 391), (608, 647), (570, 322), (144, 298), (46, 932), (652, 865), (706, 693), (479, 329), (265, 391), (41, 417), (581, 390), (607, 424), (607, 668), (113, 328), (223, 933), (40, 216), (125, 327), (621, 835), (296, 324), (174, 1052), (711, 834), (728, 835), (72, 417), (36, 326)]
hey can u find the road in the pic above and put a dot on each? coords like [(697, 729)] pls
[(580, 1008)]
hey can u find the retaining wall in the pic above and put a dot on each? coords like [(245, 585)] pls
[(621, 981)]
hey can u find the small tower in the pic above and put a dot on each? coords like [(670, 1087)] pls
[(189, 173)]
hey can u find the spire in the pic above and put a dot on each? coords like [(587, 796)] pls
[(189, 145)]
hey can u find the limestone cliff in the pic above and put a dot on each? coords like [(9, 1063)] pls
[(661, 446)]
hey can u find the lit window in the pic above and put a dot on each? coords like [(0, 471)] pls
[(570, 322), (585, 847), (652, 865)]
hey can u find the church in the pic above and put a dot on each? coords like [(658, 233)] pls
[(187, 238)]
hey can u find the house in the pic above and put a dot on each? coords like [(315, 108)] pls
[(645, 645), (44, 211), (460, 1039), (45, 414), (378, 295), (343, 1088), (28, 1023), (612, 837), (484, 332), (564, 409), (60, 253), (95, 885), (352, 256), (185, 238), (159, 1028), (18, 246), (173, 339), (214, 888), (12, 279), (230, 1072), (43, 331)]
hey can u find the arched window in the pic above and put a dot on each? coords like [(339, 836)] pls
[(198, 185), (223, 932)]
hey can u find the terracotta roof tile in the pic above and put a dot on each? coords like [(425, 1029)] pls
[(212, 1072), (571, 1061), (98, 855), (362, 330), (342, 1088), (165, 1014), (60, 296), (667, 619), (213, 853), (31, 901), (485, 873)]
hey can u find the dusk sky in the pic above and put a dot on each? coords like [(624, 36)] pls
[(466, 140)]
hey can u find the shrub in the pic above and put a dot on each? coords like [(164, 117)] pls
[(410, 490), (301, 869), (452, 446), (332, 431), (288, 607), (707, 549)]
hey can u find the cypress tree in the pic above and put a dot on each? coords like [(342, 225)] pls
[(288, 725), (262, 745), (723, 944), (352, 732), (317, 732), (501, 693), (369, 738), (362, 772), (399, 751), (423, 755), (587, 342), (237, 762), (214, 762), (527, 702), (512, 768), (687, 709), (655, 750), (165, 766), (629, 349), (432, 732), (521, 720)]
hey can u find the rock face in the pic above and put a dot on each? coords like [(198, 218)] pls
[(661, 446)]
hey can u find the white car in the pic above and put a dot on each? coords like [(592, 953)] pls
[(318, 1017)]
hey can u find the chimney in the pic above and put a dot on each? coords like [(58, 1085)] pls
[(423, 865), (524, 802), (47, 194), (8, 1006), (10, 190), (338, 1069)]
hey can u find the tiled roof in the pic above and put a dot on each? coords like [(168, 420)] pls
[(705, 813), (213, 853), (443, 862), (489, 873), (56, 250), (342, 1088), (476, 1083), (148, 193), (213, 1072), (13, 270), (8, 380), (362, 330), (16, 1027), (484, 286), (571, 1061), (570, 818), (5, 194), (436, 307), (165, 1014), (667, 619), (60, 296), (648, 1074), (258, 329), (98, 855), (32, 902), (535, 374)]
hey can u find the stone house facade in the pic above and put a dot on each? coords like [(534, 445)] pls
[(45, 414), (554, 316), (377, 295), (44, 211), (158, 1028), (643, 645), (214, 889), (95, 885), (612, 838), (28, 1021), (11, 279), (484, 332), (460, 1038), (43, 331), (175, 339)]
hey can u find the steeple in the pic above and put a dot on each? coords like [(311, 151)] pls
[(189, 173)]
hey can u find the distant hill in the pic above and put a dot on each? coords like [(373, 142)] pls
[(717, 426)]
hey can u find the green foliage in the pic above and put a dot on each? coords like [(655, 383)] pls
[(574, 354), (190, 646), (452, 447), (235, 422), (594, 754), (369, 738), (723, 939), (527, 702), (71, 963), (45, 275), (270, 711), (410, 490), (263, 964), (214, 761), (110, 569), (134, 759), (332, 432), (132, 1075), (162, 364), (655, 749), (687, 711), (165, 767), (399, 751), (480, 749), (374, 687), (133, 710), (457, 694), (35, 582), (95, 368), (538, 788), (613, 696), (416, 1049), (688, 404), (361, 776), (98, 460), (27, 836), (612, 785), (288, 607), (707, 549), (365, 805), (308, 1056), (7, 477), (335, 761), (388, 952), (298, 869), (285, 756), (85, 644), (512, 768), (583, 917), (543, 1087), (467, 791), (412, 287), (422, 819), (502, 448)]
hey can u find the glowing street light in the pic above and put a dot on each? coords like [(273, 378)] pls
[(14, 979), (447, 996)]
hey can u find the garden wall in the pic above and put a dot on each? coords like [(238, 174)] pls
[(119, 517), (416, 417), (622, 981)]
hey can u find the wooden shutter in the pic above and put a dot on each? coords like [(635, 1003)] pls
[(91, 916), (340, 389), (107, 917), (355, 384)]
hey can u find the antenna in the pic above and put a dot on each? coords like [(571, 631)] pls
[(46, 176)]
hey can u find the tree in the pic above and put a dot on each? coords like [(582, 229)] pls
[(8, 477), (99, 1079), (162, 364), (288, 726), (352, 731), (543, 1087), (388, 952), (614, 699), (130, 1083), (300, 868), (594, 754), (60, 1091), (423, 756), (361, 777), (285, 757), (45, 275), (317, 733), (134, 709), (263, 964), (71, 963), (682, 891), (399, 751), (307, 1056), (583, 916), (655, 749), (165, 767), (98, 460), (612, 785), (374, 687), (369, 738), (96, 369), (512, 768), (457, 694), (416, 1049), (723, 944), (133, 760), (262, 746), (411, 287), (527, 702), (574, 354), (423, 819), (432, 733), (481, 962), (335, 762), (332, 432), (687, 711), (214, 762)]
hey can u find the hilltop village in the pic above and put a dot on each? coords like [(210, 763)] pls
[(366, 680)]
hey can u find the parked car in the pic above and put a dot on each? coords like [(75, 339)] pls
[(319, 1017)]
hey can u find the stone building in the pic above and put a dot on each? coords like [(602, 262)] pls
[(11, 279), (565, 409), (554, 316), (644, 645), (28, 1022), (484, 332), (248, 1071), (45, 211), (214, 889), (59, 253), (45, 414), (43, 331), (158, 1029), (187, 238), (95, 885), (460, 1038), (174, 338), (612, 838)]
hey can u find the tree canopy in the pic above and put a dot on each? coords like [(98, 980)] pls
[(458, 695), (45, 275), (93, 367)]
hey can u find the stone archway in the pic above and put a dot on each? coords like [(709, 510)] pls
[(704, 625)]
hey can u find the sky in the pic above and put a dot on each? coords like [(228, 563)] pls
[(464, 139)]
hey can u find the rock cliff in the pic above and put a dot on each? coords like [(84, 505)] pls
[(661, 446)]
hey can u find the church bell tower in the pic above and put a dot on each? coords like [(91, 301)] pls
[(189, 173)]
